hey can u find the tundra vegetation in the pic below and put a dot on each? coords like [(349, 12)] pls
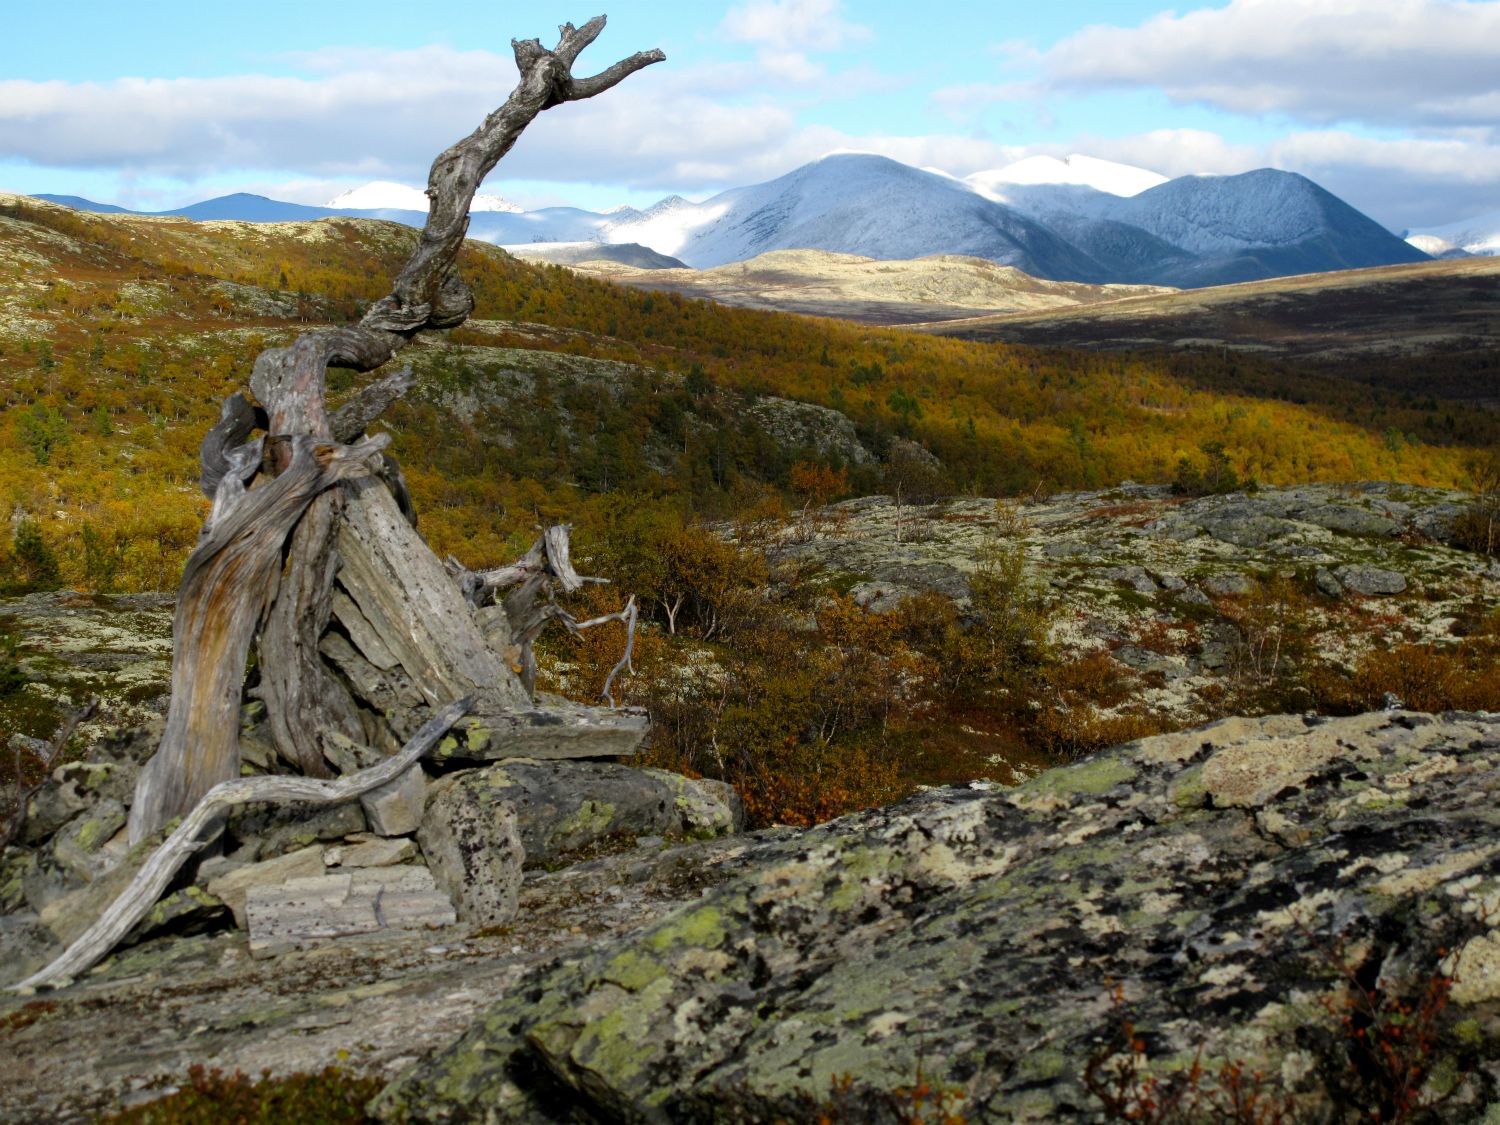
[(633, 416)]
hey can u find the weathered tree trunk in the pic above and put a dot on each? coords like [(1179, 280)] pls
[(359, 542), (228, 584)]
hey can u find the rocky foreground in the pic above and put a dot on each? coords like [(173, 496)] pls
[(1237, 892)]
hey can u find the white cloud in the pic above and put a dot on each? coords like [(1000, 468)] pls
[(381, 114), (964, 100), (384, 115), (1405, 62), (792, 25)]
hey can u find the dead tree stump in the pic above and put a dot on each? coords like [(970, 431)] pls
[(310, 550)]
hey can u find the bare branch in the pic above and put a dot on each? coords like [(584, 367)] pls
[(627, 615), (136, 899), (237, 419), (571, 41), (581, 88), (351, 420)]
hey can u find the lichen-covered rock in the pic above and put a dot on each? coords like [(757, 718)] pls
[(393, 809), (79, 847), (25, 946), (1371, 580), (230, 883), (363, 901), (705, 807), (1327, 584), (1221, 886), (473, 847), (1228, 585), (108, 773), (804, 425), (262, 832), (562, 807)]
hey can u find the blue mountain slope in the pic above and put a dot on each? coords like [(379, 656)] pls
[(78, 203), (250, 209)]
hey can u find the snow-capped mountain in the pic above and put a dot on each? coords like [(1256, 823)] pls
[(1479, 236), (383, 195), (1265, 223), (1078, 219), (854, 203), (1049, 217)]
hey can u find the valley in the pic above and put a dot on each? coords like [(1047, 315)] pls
[(1429, 328), (866, 290)]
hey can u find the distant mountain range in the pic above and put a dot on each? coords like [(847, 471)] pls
[(1079, 219)]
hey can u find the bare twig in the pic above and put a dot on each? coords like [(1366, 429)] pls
[(628, 616), (47, 751)]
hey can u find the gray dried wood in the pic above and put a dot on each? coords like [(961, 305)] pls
[(232, 580), (131, 906), (227, 586)]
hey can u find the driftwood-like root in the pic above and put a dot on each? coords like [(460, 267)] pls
[(141, 894), (533, 582), (304, 701)]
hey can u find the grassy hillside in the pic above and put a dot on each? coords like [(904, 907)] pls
[(120, 335)]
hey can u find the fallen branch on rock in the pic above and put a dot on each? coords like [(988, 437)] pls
[(138, 898)]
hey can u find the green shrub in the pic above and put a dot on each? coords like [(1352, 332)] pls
[(31, 565), (42, 430)]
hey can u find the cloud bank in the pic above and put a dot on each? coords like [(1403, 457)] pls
[(1393, 105)]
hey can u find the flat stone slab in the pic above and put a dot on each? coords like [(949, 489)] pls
[(557, 730), (347, 903), (233, 887), (373, 853)]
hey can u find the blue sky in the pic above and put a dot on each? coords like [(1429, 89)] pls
[(1392, 104)]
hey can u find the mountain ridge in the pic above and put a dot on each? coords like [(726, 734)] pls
[(1078, 220)]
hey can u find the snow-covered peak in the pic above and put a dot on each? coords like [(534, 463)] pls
[(1076, 170), (383, 195), (1433, 245), (1479, 235), (667, 206)]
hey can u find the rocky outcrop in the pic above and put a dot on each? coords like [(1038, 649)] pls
[(374, 1001), (1225, 888), (1137, 569)]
